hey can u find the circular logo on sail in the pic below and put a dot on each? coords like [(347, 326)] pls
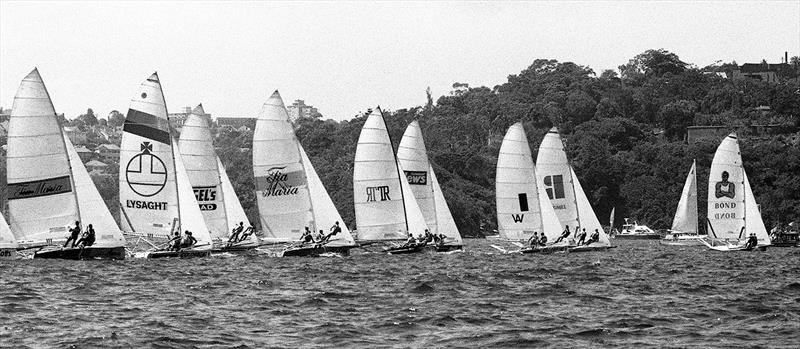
[(146, 173)]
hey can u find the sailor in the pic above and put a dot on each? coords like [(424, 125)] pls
[(543, 240), (428, 236), (534, 240), (320, 236), (421, 240), (235, 233), (594, 238), (752, 241), (564, 235), (73, 234), (306, 237), (335, 229), (188, 240), (581, 237), (246, 234), (88, 237), (410, 241), (442, 238), (175, 242)]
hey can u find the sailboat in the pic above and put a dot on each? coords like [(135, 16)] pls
[(213, 191), (384, 202), (522, 205), (565, 192), (48, 186), (413, 157), (8, 245), (684, 230), (290, 194), (733, 215), (156, 197)]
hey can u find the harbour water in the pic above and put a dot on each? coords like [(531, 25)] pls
[(640, 294)]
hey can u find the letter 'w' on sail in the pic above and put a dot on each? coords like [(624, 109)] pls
[(41, 194), (520, 209), (151, 171), (200, 159), (730, 198), (414, 159), (6, 238), (563, 188), (686, 215), (284, 202)]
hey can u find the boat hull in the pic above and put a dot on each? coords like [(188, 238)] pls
[(314, 251), (83, 253), (179, 254), (404, 249), (447, 248), (589, 248), (637, 236), (547, 249)]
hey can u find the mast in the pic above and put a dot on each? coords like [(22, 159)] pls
[(572, 180)]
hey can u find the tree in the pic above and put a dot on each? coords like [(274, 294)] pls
[(675, 117), (115, 118), (88, 119), (652, 63)]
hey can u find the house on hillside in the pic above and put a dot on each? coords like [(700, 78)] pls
[(763, 71), (108, 152), (75, 135), (96, 166), (236, 123), (84, 153)]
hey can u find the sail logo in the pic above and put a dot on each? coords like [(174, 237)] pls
[(145, 173), (725, 206), (417, 177), (554, 186), (205, 194), (44, 187), (146, 205), (279, 183), (517, 217), (374, 192)]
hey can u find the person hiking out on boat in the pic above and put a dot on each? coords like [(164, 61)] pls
[(73, 234), (174, 244), (320, 237), (335, 229), (421, 240), (428, 236), (88, 237), (581, 237), (752, 242), (306, 237), (411, 241), (543, 240), (235, 233), (533, 241), (442, 238), (246, 234), (188, 240), (594, 238), (564, 234)]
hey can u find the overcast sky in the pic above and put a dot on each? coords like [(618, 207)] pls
[(343, 57)]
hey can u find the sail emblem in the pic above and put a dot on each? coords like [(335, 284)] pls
[(146, 173), (144, 95), (554, 186)]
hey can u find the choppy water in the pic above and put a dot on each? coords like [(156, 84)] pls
[(638, 295)]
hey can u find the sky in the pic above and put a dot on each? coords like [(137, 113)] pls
[(344, 57)]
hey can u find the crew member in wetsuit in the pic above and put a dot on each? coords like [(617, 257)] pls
[(306, 237), (752, 242), (335, 229), (533, 241), (581, 237), (595, 238), (564, 235), (175, 242), (235, 233), (246, 234), (88, 237), (410, 241), (428, 236), (73, 234), (543, 240), (188, 240)]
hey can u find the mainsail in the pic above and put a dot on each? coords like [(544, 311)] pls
[(732, 210), (6, 238), (290, 194), (522, 207), (563, 188), (233, 207), (154, 191), (686, 215), (379, 190), (41, 194)]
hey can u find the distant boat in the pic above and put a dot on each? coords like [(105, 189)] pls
[(418, 170), (8, 244), (523, 207), (632, 230), (733, 214), (48, 186), (684, 230), (155, 195), (565, 192), (384, 202), (290, 194), (213, 191)]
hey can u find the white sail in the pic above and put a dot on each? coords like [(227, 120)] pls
[(414, 217), (200, 159), (726, 194), (148, 193), (550, 224), (284, 202), (6, 238), (233, 207), (519, 212), (325, 212), (377, 195), (444, 219), (563, 188), (41, 196), (93, 209), (753, 222), (413, 158), (686, 215), (191, 218)]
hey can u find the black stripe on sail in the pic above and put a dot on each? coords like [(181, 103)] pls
[(145, 125), (43, 187)]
